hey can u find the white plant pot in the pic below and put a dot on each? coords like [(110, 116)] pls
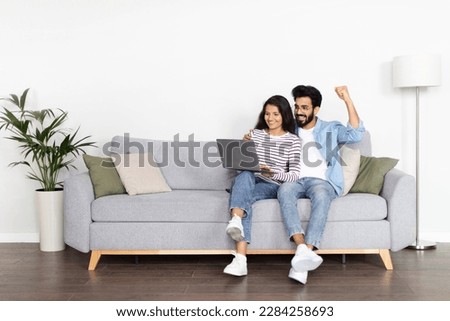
[(50, 211)]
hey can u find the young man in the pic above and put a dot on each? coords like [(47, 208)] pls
[(321, 178)]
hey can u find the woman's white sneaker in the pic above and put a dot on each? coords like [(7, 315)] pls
[(235, 229), (237, 267)]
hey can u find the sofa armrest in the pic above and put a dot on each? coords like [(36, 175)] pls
[(78, 196), (399, 190)]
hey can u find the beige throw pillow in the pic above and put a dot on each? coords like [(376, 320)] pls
[(350, 167), (140, 174)]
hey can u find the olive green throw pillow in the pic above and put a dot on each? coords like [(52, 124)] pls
[(104, 176), (371, 174)]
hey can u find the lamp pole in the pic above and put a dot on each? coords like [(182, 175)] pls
[(420, 70), (419, 245)]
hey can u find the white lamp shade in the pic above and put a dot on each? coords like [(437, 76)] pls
[(416, 70)]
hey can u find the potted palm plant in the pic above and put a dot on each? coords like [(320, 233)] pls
[(46, 148)]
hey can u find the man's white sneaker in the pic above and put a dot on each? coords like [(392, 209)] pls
[(237, 267), (305, 259), (235, 229), (298, 276)]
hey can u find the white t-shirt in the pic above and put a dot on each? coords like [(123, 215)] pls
[(312, 163)]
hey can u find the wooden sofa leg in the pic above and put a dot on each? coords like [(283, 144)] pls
[(386, 257), (95, 257)]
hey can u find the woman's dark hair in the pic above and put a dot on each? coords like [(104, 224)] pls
[(288, 121), (308, 91)]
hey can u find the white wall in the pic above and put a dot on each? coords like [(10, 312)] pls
[(158, 68)]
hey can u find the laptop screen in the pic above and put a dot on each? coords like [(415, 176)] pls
[(238, 154)]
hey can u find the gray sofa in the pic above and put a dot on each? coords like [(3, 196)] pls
[(191, 219)]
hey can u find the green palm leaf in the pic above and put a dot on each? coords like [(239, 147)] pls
[(45, 147)]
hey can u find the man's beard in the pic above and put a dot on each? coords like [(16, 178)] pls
[(304, 122)]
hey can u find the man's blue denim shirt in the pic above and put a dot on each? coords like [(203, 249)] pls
[(328, 136)]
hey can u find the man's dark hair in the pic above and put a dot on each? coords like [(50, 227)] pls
[(285, 110), (308, 91)]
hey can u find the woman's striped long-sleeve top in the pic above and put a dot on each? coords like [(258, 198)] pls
[(280, 153)]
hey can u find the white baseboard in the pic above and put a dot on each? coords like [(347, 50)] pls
[(19, 237), (442, 237)]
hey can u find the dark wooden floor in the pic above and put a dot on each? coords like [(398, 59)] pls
[(28, 274)]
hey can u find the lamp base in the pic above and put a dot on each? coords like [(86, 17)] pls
[(422, 245)]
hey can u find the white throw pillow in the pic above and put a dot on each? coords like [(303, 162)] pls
[(350, 167), (140, 174)]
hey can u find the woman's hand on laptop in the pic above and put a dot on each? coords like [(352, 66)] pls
[(266, 171), (249, 135)]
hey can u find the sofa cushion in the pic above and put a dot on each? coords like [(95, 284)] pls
[(140, 174), (212, 206), (185, 165), (176, 206), (352, 207), (104, 177)]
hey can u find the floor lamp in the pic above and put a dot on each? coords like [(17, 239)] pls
[(417, 71)]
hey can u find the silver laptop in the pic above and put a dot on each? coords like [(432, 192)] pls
[(238, 154)]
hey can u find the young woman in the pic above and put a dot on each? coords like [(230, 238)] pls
[(278, 149)]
